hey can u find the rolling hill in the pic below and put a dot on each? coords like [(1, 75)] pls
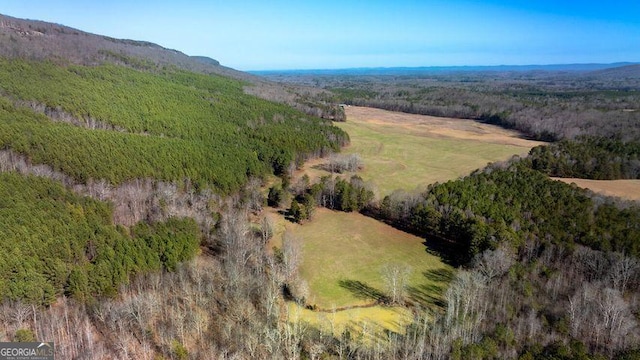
[(628, 71), (39, 40)]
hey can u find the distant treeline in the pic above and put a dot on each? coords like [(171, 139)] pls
[(543, 114), (544, 105)]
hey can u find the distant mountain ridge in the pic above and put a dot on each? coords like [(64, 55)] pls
[(206, 60), (628, 71), (39, 40), (399, 71)]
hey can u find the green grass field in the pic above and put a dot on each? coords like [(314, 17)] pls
[(343, 257), (344, 253), (404, 151)]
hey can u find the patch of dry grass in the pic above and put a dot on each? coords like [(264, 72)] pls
[(625, 189), (366, 322)]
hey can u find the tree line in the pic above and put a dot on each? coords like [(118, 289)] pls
[(330, 192), (547, 106), (511, 203), (596, 158)]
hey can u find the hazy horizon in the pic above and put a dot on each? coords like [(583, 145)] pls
[(448, 67), (281, 35)]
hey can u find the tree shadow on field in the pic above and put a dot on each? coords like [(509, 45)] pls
[(364, 291), (439, 275), (430, 294), (425, 295), (449, 251), (286, 214)]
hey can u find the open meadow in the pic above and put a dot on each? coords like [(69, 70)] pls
[(344, 257), (407, 151)]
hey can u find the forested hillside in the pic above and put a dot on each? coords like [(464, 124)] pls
[(56, 243), (40, 41), (118, 124)]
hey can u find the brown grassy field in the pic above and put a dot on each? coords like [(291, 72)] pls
[(625, 189), (431, 126)]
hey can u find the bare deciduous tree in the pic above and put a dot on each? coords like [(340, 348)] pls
[(395, 277), (493, 263), (266, 228), (339, 163), (602, 317), (623, 270), (292, 255)]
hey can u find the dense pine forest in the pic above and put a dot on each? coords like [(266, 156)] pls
[(57, 243), (511, 204), (596, 158), (118, 124)]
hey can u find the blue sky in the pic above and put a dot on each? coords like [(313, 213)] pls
[(279, 34)]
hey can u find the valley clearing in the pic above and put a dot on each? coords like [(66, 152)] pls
[(407, 151), (344, 254)]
